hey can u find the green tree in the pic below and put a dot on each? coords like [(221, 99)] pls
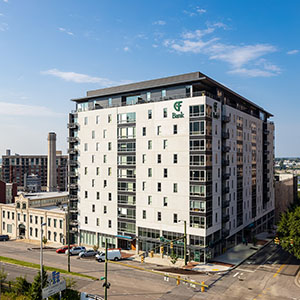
[(22, 286), (289, 231), (36, 291)]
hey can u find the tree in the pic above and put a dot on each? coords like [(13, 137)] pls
[(173, 257), (22, 286), (45, 241), (36, 291), (3, 276), (289, 231)]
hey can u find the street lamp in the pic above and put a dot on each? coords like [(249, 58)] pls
[(185, 242), (41, 255)]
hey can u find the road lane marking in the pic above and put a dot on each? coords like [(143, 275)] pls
[(278, 271), (250, 271), (236, 274)]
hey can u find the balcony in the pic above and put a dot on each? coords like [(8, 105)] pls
[(73, 125), (225, 162), (225, 218), (73, 222), (226, 176), (73, 186), (73, 163), (225, 135), (73, 197), (226, 190), (73, 174), (73, 139), (225, 233), (225, 119), (73, 151), (225, 203), (225, 148)]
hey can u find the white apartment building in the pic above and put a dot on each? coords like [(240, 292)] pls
[(147, 156)]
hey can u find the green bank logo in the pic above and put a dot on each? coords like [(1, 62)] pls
[(177, 107)]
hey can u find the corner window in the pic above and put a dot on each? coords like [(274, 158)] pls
[(148, 95), (164, 93)]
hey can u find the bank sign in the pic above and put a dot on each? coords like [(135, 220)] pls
[(177, 107)]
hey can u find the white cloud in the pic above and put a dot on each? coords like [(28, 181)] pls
[(242, 59), (3, 26), (6, 1), (200, 10), (77, 77), (65, 30), (195, 11), (160, 22), (292, 52), (126, 49), (14, 109)]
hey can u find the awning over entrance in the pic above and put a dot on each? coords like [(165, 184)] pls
[(124, 237)]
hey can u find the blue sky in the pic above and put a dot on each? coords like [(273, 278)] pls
[(52, 51)]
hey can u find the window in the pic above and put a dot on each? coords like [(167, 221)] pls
[(97, 222), (149, 145), (149, 200), (97, 146), (165, 144), (150, 114), (197, 145), (55, 236), (104, 183), (55, 222), (175, 158), (104, 158), (49, 221), (109, 223), (197, 110), (60, 224), (97, 119), (165, 173), (174, 129), (97, 171), (36, 219), (36, 232), (85, 220), (104, 209), (93, 134), (49, 235), (165, 202), (85, 120), (158, 216), (158, 130), (159, 186), (30, 231), (148, 96), (13, 216), (85, 147), (85, 194), (109, 146), (143, 158), (104, 133), (93, 182), (175, 187), (30, 218), (149, 172), (85, 170), (24, 218), (93, 207), (109, 196), (163, 93), (144, 214), (175, 218), (144, 131), (109, 101), (109, 171), (198, 190), (143, 185), (109, 118), (165, 114), (158, 158), (197, 160), (197, 128)]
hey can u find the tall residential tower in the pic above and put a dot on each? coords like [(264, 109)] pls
[(144, 157)]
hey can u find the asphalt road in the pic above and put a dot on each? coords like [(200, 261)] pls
[(269, 274)]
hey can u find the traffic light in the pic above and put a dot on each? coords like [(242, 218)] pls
[(142, 259), (107, 285), (162, 249), (292, 242), (171, 245), (151, 253), (277, 241)]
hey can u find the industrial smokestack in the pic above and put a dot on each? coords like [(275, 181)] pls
[(51, 165)]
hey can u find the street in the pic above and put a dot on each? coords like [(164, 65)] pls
[(269, 274)]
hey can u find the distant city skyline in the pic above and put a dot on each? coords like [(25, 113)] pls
[(53, 51)]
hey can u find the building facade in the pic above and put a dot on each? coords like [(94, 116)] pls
[(23, 219), (145, 157), (15, 169), (8, 191)]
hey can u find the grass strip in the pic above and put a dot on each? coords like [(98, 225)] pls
[(37, 266)]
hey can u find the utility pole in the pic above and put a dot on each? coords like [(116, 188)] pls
[(185, 244), (68, 232), (105, 271)]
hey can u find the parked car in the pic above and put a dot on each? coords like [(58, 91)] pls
[(88, 253), (63, 249), (75, 250), (4, 237), (111, 255)]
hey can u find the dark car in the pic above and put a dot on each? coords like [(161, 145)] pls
[(4, 237)]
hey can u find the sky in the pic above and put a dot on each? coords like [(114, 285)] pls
[(52, 51)]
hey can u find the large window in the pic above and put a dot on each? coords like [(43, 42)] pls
[(126, 160), (197, 221), (126, 227), (198, 190), (197, 175), (126, 118), (126, 186), (197, 160), (197, 145), (132, 99), (197, 205), (128, 213), (197, 128), (126, 147), (197, 110), (126, 199), (126, 173), (126, 133)]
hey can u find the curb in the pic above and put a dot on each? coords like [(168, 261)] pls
[(297, 280)]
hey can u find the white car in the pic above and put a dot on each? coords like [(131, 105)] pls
[(111, 255), (76, 250), (88, 253)]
